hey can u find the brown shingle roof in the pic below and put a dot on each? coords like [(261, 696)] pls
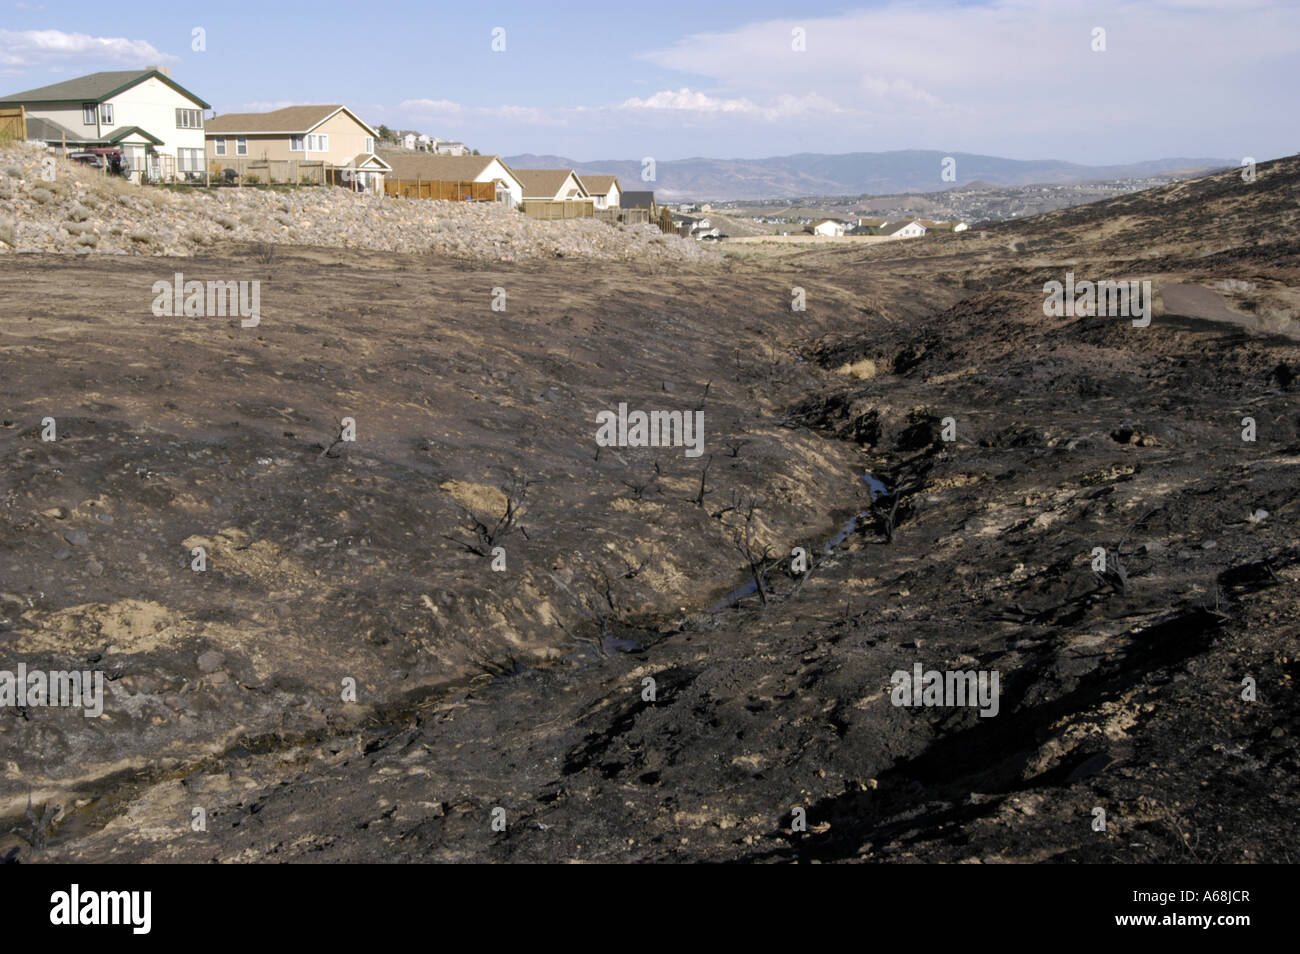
[(361, 158), (434, 168), (291, 119), (598, 185), (542, 183)]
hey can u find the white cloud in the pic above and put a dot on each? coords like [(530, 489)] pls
[(940, 72), (533, 115), (429, 106), (446, 110), (37, 48), (1197, 78), (686, 99), (897, 89)]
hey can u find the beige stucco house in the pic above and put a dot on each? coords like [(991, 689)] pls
[(331, 134), (155, 122)]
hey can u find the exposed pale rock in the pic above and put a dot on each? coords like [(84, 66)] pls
[(150, 220)]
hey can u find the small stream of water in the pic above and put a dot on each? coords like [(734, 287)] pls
[(875, 487)]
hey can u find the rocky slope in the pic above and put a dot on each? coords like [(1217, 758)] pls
[(80, 210)]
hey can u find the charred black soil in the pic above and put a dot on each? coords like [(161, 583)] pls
[(1011, 446)]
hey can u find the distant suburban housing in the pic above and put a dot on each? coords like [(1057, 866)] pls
[(551, 185), (330, 134), (603, 189), (420, 142), (427, 167), (696, 227), (155, 124)]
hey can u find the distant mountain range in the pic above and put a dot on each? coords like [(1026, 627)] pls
[(854, 173)]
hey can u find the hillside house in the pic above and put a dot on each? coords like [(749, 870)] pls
[(827, 227), (551, 185), (153, 122), (903, 228), (640, 200), (330, 134), (427, 167), (604, 190)]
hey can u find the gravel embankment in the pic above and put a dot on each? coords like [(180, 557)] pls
[(80, 210)]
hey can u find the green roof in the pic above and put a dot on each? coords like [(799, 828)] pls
[(117, 135), (94, 88)]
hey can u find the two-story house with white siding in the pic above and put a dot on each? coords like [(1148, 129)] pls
[(155, 123)]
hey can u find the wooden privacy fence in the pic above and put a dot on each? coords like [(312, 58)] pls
[(571, 209), (624, 216), (439, 189), (241, 170), (13, 123)]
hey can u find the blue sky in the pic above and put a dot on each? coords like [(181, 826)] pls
[(1014, 78)]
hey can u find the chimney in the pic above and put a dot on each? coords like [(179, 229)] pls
[(164, 70)]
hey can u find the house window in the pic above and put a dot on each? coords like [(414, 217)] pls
[(241, 146), (370, 144), (318, 143), (88, 113), (295, 143), (190, 160), (189, 119), (106, 113), (219, 146)]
